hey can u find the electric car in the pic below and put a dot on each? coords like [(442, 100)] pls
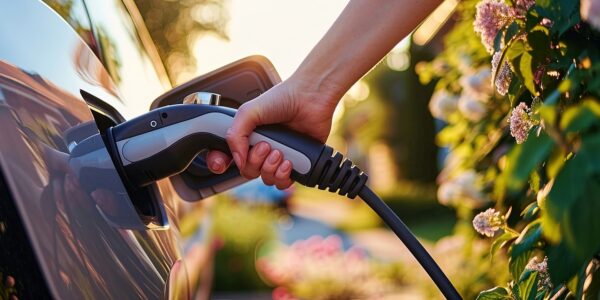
[(70, 70)]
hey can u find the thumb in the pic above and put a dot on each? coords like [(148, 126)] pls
[(245, 121)]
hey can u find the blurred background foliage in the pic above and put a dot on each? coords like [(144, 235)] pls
[(175, 25)]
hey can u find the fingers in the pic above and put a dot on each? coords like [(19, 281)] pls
[(276, 171), (256, 159), (282, 175), (217, 161), (246, 119)]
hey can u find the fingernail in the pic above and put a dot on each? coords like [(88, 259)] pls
[(263, 149), (274, 157), (286, 166), (238, 160), (218, 164)]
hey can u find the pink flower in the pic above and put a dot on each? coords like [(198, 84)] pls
[(590, 12), (520, 123), (542, 268), (488, 222), (522, 6), (490, 17), (503, 76)]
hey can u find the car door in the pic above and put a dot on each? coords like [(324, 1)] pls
[(89, 237)]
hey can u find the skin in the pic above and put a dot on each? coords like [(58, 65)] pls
[(360, 37)]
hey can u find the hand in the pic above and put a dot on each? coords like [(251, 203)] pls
[(294, 104)]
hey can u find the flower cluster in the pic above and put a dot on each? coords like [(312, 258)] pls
[(520, 122), (541, 267), (323, 263), (491, 16), (488, 222), (461, 188)]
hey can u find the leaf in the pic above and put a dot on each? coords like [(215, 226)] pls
[(591, 145), (527, 240), (497, 293), (524, 158), (501, 241), (564, 13), (562, 264), (511, 31), (525, 69), (517, 264), (581, 117), (530, 210), (527, 287), (582, 225), (568, 186)]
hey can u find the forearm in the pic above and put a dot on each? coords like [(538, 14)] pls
[(364, 32)]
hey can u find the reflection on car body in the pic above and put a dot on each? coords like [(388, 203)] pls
[(80, 252)]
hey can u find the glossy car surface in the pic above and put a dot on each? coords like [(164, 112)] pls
[(85, 236)]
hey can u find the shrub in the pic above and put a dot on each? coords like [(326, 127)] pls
[(518, 85)]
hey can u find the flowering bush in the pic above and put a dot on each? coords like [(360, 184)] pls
[(528, 140), (319, 268)]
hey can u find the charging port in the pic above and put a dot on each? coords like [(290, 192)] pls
[(147, 200)]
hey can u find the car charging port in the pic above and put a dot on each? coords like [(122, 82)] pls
[(146, 201)]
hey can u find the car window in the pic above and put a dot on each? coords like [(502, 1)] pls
[(126, 55)]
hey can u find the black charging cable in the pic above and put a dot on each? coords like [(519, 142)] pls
[(337, 174)]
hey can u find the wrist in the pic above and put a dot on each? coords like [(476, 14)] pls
[(310, 87)]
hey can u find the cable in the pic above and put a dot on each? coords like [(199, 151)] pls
[(337, 174), (411, 242)]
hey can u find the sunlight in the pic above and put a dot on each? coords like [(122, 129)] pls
[(283, 31)]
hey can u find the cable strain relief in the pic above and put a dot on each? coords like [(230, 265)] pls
[(337, 174)]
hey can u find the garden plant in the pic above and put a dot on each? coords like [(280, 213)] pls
[(518, 87)]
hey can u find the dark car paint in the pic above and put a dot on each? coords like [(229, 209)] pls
[(44, 66)]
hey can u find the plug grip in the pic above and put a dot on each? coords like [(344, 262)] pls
[(169, 149)]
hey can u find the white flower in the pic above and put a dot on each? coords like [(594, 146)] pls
[(442, 105), (590, 12), (471, 107), (488, 222), (478, 83), (462, 188)]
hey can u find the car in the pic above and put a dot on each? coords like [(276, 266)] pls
[(69, 70)]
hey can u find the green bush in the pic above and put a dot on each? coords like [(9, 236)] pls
[(530, 141)]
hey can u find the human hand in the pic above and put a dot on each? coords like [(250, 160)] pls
[(294, 104)]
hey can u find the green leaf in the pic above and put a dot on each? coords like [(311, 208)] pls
[(527, 240), (497, 293), (564, 13), (501, 241), (539, 40), (568, 186), (527, 287), (581, 117), (591, 145), (512, 31), (562, 264), (582, 224), (526, 71), (524, 158), (517, 264), (530, 210)]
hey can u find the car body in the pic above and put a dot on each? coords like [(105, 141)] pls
[(69, 69)]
